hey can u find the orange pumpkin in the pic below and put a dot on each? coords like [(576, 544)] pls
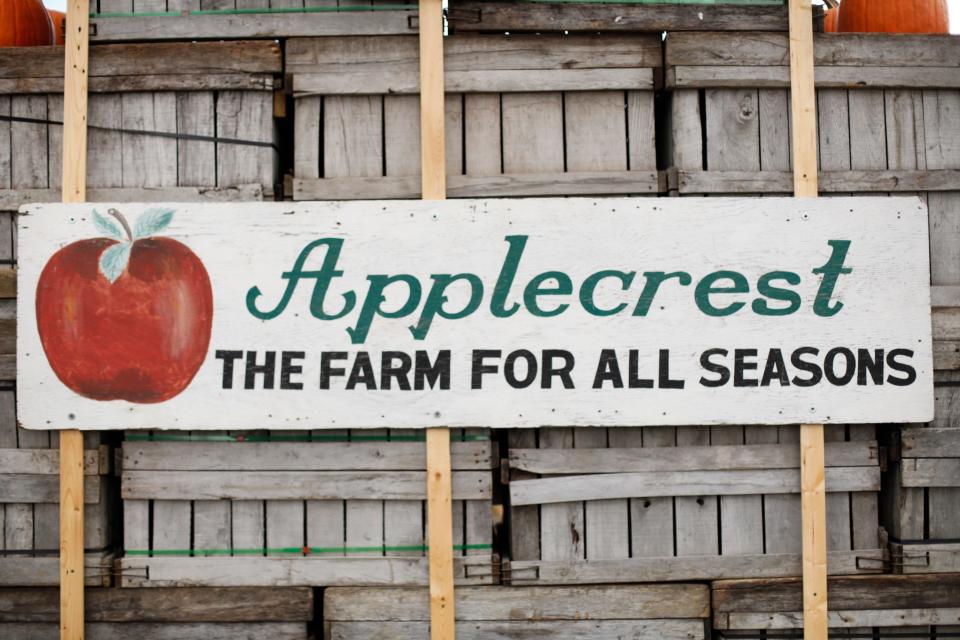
[(830, 20), (57, 18), (24, 23), (894, 16)]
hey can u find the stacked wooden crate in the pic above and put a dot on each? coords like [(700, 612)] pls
[(889, 124), (878, 607), (163, 614), (595, 505), (922, 491), (206, 113), (639, 612), (525, 115), (298, 508)]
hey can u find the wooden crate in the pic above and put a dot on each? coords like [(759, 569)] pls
[(525, 116), (163, 614), (879, 607), (221, 90), (922, 494), (30, 510), (888, 109), (596, 505), (295, 508), (638, 612), (129, 20)]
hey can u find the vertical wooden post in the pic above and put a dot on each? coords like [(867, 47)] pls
[(434, 187), (812, 481), (71, 441)]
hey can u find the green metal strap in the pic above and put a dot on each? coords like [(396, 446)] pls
[(306, 551)]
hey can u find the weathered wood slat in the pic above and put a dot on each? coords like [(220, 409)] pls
[(842, 619), (728, 182), (935, 557), (678, 569), (293, 572), (185, 604), (297, 456), (147, 67), (503, 81), (930, 443), (278, 25), (931, 472), (855, 593), (528, 630), (458, 186), (716, 458), (471, 52), (163, 630), (750, 48), (43, 462), (825, 77), (531, 604), (295, 485), (20, 572), (518, 17), (684, 483), (24, 488), (11, 200)]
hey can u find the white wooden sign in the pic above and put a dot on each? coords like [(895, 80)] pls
[(503, 313)]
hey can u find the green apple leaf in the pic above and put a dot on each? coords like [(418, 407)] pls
[(152, 222), (107, 227), (114, 260)]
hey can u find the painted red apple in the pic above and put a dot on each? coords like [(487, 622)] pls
[(125, 317)]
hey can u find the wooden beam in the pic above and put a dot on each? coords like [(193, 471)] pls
[(812, 473), (434, 187), (76, 58)]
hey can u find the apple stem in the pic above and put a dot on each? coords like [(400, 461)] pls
[(123, 222)]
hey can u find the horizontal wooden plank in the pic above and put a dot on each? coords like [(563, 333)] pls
[(8, 283), (458, 186), (926, 558), (706, 77), (294, 572), (295, 485), (946, 323), (750, 48), (930, 472), (162, 631), (8, 366), (683, 483), (527, 630), (473, 52), (843, 619), (945, 296), (147, 67), (35, 488), (676, 569), (723, 182), (854, 593), (633, 602), (20, 571), (12, 199), (262, 25), (498, 81), (43, 461), (946, 355), (187, 604), (591, 16), (929, 443), (298, 456), (717, 458)]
